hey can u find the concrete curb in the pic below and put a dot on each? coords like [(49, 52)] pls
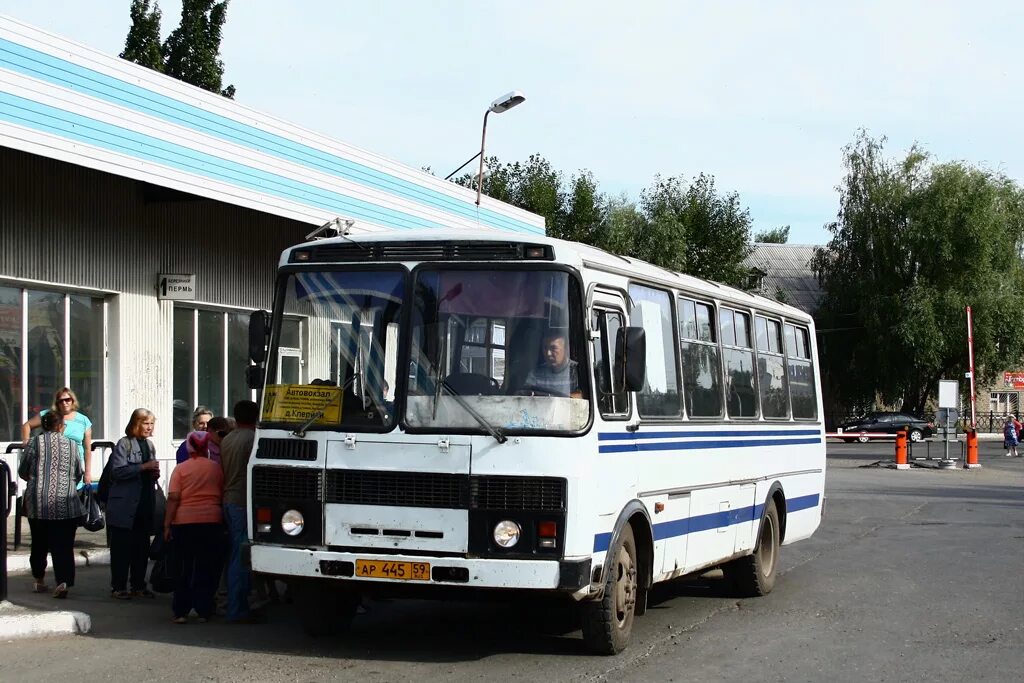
[(19, 564), (17, 622)]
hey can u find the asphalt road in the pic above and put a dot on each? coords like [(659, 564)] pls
[(914, 575)]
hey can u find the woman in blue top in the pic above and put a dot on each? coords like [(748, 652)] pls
[(77, 426)]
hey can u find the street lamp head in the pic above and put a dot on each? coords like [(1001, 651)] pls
[(506, 102)]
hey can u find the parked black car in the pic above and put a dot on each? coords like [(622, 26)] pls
[(888, 423)]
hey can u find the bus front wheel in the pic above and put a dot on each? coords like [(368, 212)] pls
[(754, 575), (324, 610), (608, 622)]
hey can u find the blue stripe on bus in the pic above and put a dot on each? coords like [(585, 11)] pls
[(627, 436), (77, 78), (713, 520), (702, 445)]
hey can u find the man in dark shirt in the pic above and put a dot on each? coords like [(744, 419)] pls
[(235, 450), (557, 375)]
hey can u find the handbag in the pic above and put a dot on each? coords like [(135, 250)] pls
[(159, 508), (93, 519), (163, 577)]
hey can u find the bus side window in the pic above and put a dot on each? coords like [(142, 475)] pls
[(652, 310), (612, 399)]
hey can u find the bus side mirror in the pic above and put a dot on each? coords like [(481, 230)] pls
[(254, 376), (259, 327), (631, 344)]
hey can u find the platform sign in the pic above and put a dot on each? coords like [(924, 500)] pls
[(176, 286), (949, 393), (302, 402)]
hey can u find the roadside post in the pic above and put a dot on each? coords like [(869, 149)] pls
[(901, 450), (972, 451), (949, 400), (6, 490)]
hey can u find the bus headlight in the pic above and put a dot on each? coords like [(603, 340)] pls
[(292, 522), (506, 533)]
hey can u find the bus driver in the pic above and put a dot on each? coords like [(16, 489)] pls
[(557, 375)]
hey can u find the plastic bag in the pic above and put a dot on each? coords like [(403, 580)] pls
[(93, 520)]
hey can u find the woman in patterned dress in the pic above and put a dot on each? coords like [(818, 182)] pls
[(52, 467)]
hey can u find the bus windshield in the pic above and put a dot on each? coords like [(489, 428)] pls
[(497, 351), (334, 353)]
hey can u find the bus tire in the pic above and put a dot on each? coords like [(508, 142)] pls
[(324, 610), (608, 622), (754, 575)]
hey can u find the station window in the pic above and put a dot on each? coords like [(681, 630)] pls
[(210, 357), (64, 338)]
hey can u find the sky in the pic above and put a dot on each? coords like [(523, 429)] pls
[(762, 95)]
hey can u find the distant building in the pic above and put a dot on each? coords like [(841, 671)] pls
[(783, 272)]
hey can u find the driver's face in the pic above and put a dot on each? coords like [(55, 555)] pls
[(554, 351)]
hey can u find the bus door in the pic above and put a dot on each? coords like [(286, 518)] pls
[(616, 478)]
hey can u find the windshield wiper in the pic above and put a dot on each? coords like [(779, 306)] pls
[(481, 420)]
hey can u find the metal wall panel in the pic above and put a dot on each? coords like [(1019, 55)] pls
[(77, 227)]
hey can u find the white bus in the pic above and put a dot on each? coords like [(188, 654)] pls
[(507, 413)]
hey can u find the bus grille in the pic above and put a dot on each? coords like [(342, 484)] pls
[(286, 449), (540, 494), (453, 491), (401, 489), (287, 483)]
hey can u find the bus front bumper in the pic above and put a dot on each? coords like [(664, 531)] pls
[(569, 576)]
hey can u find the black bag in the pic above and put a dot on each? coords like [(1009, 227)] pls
[(103, 488), (163, 577), (93, 520), (159, 509)]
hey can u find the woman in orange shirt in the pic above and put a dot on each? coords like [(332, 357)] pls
[(193, 520)]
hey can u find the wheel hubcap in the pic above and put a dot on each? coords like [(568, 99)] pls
[(766, 546), (625, 587)]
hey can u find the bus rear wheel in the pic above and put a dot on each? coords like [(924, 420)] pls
[(754, 575), (324, 610), (608, 622)]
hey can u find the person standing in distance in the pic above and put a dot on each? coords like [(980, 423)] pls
[(77, 427), (52, 468), (235, 449), (131, 506), (200, 421)]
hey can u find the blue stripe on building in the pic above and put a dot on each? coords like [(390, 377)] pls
[(714, 520), (62, 73), (44, 118)]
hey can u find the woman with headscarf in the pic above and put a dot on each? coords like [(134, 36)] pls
[(193, 523), (52, 467)]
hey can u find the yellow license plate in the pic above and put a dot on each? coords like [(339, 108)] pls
[(383, 569)]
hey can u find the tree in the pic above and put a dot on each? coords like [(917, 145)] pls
[(778, 235), (914, 243), (682, 227), (142, 45), (192, 52), (695, 230)]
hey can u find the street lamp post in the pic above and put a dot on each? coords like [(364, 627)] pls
[(498, 106)]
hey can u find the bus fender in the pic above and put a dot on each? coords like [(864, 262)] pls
[(776, 487), (645, 544)]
